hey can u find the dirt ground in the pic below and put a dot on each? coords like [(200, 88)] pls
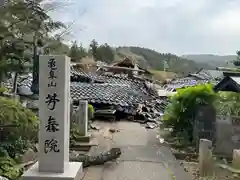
[(219, 173)]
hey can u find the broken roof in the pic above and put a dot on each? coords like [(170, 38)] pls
[(184, 82), (126, 62), (130, 63), (205, 74), (114, 94), (121, 91), (228, 83)]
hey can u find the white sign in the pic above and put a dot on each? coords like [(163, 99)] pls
[(54, 113)]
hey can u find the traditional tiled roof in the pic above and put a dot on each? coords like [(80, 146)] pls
[(187, 82), (205, 74), (123, 92), (228, 83), (184, 82), (116, 94)]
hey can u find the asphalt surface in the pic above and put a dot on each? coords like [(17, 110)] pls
[(143, 157)]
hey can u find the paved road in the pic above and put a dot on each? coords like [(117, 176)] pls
[(143, 157)]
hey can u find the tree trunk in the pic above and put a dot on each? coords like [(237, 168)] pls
[(87, 161), (15, 85), (35, 70), (2, 76)]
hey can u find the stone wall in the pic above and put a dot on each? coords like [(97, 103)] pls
[(204, 124), (227, 134)]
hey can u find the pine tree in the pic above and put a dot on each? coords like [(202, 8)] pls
[(93, 49)]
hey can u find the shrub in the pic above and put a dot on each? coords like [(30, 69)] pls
[(16, 148), (2, 90), (91, 111), (180, 112), (8, 167), (228, 104), (74, 133), (24, 122)]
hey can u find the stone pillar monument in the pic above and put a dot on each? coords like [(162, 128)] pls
[(82, 121), (83, 117), (54, 115)]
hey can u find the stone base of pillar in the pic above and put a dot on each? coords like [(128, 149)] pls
[(83, 138), (73, 171), (84, 146)]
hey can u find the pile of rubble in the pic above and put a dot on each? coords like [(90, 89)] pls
[(128, 96), (183, 82), (200, 77)]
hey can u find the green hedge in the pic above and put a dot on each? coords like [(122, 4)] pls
[(13, 113), (8, 166), (180, 112), (2, 90), (91, 111), (21, 132), (25, 126)]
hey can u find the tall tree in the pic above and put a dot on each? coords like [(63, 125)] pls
[(237, 61), (28, 24), (93, 49), (83, 51), (44, 24), (105, 53), (76, 52), (56, 47), (13, 45)]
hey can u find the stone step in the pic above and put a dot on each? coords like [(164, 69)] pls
[(83, 138), (84, 146)]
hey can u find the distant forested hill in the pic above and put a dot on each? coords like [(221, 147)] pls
[(212, 60), (147, 58), (155, 60)]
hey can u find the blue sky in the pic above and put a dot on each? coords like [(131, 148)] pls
[(176, 26)]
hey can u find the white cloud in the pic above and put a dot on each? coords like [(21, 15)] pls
[(177, 26), (227, 23)]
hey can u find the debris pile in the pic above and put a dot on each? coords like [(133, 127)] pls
[(129, 96), (201, 77), (184, 82), (122, 96)]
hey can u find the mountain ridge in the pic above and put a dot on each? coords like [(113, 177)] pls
[(153, 59), (212, 60)]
